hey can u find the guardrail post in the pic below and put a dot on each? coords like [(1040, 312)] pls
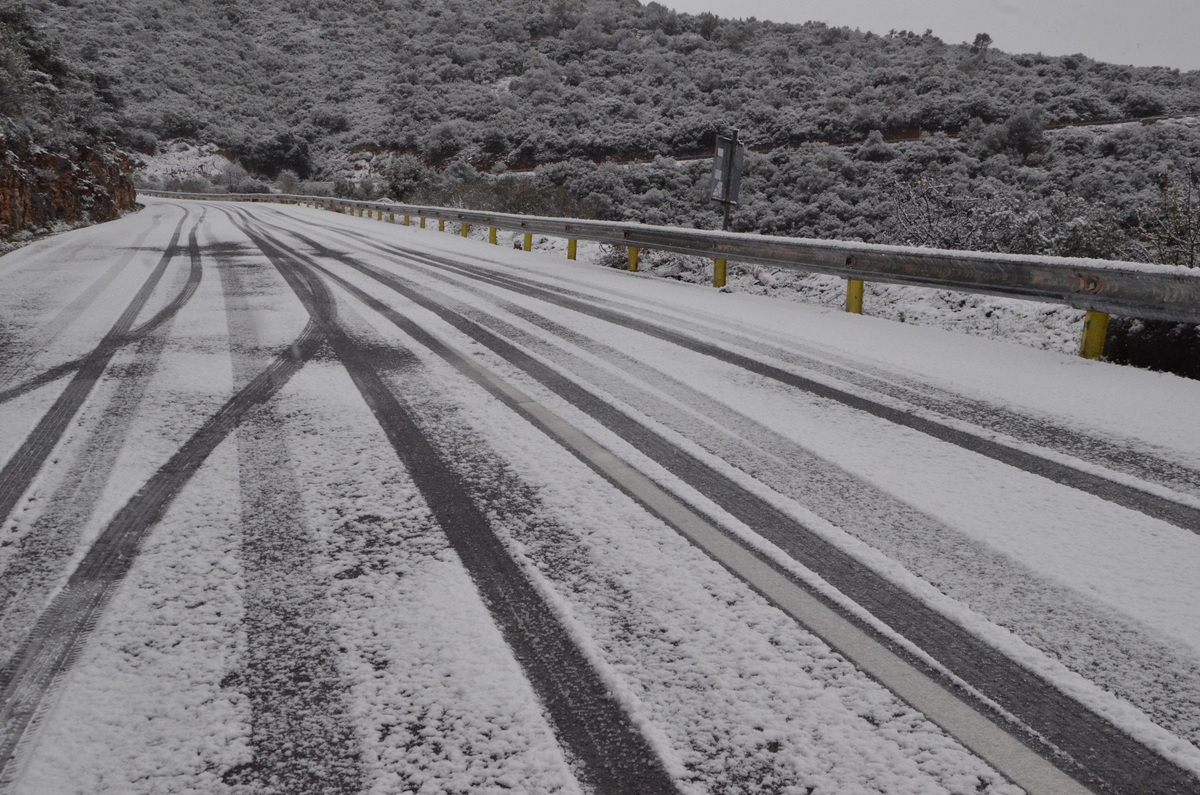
[(718, 273), (634, 258), (391, 218), (441, 225), (406, 223), (464, 229), (572, 247), (422, 223), (854, 296), (529, 241), (492, 235), (1095, 331)]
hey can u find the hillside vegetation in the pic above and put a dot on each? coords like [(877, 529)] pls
[(300, 83), (429, 99)]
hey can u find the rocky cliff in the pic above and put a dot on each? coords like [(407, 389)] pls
[(39, 188)]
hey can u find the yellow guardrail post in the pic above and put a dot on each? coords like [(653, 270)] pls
[(854, 296), (529, 241), (634, 258), (406, 223), (464, 229), (718, 273), (572, 247), (492, 235), (1095, 331), (422, 223), (441, 225), (391, 218)]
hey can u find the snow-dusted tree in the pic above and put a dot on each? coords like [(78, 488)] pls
[(288, 181), (230, 177), (1171, 230)]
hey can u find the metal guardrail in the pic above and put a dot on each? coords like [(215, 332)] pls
[(1101, 287)]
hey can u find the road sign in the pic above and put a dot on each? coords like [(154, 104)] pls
[(727, 170)]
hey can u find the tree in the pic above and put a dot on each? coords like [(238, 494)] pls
[(230, 177), (982, 42), (1171, 231)]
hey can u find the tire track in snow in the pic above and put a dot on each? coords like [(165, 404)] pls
[(301, 734), (1070, 629), (133, 335), (13, 365), (1184, 516), (1083, 743), (1180, 515), (34, 570), (613, 756), (626, 607), (50, 649), (18, 473)]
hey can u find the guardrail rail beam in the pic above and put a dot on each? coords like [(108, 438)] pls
[(1125, 289)]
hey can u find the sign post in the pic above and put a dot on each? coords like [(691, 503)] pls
[(726, 183)]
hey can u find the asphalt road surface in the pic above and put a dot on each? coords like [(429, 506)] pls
[(294, 501)]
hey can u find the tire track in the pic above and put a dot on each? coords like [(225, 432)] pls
[(1142, 465), (18, 473), (301, 734), (36, 568), (62, 630), (613, 756), (1084, 744), (141, 332), (13, 365), (628, 622), (1068, 628), (1149, 467)]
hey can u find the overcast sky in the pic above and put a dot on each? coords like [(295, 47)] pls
[(1140, 32)]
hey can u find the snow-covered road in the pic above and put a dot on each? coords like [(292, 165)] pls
[(296, 502)]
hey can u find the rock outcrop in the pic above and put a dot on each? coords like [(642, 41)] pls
[(39, 188)]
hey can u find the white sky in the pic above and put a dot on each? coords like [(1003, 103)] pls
[(1140, 32)]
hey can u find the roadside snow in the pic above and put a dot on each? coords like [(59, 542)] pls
[(180, 160)]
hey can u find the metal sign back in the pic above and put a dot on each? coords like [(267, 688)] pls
[(728, 160)]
